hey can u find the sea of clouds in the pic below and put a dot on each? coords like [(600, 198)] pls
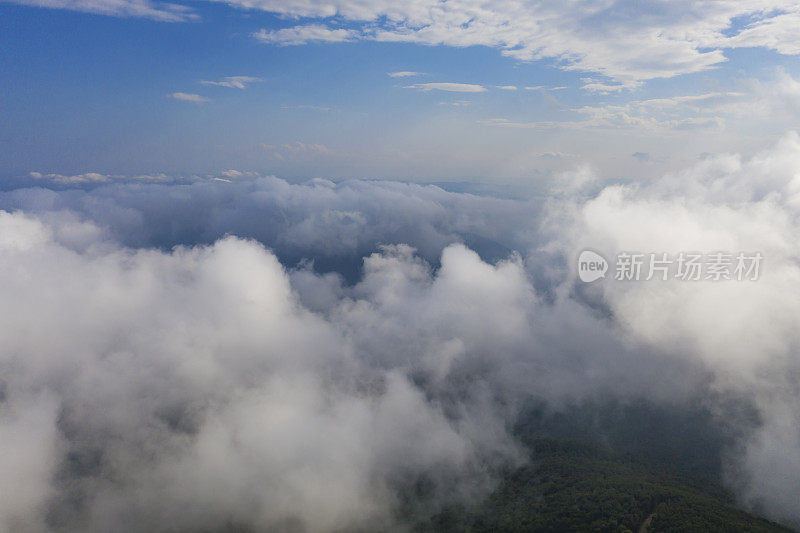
[(254, 353)]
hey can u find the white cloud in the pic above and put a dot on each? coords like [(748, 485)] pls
[(448, 87), (507, 87), (95, 177), (681, 112), (310, 33), (543, 87), (603, 88), (310, 107), (557, 155), (780, 33), (740, 330), (188, 97), (234, 82), (190, 388), (88, 177), (504, 122), (627, 44), (166, 12), (237, 174), (159, 177), (403, 74), (623, 43)]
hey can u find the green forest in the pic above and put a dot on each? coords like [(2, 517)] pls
[(651, 470), (572, 486)]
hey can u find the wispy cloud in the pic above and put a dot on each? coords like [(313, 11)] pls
[(87, 177), (557, 155), (675, 113), (605, 88), (188, 97), (543, 87), (309, 33), (626, 47), (507, 87), (95, 177), (403, 74), (234, 82), (449, 87), (166, 12), (504, 122), (309, 107)]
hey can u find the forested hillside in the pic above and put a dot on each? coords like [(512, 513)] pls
[(574, 486)]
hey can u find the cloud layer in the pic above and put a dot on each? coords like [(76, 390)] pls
[(250, 352)]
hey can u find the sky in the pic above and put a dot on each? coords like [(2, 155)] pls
[(494, 91), (278, 264)]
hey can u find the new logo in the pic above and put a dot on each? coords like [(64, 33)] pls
[(591, 266)]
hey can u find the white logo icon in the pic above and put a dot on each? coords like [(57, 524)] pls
[(591, 266)]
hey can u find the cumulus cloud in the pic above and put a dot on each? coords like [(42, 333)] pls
[(191, 388), (741, 331), (255, 353)]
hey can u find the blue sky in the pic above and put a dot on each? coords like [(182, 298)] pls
[(497, 91)]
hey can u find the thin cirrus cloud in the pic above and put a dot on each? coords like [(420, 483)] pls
[(448, 87), (188, 97), (233, 82)]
